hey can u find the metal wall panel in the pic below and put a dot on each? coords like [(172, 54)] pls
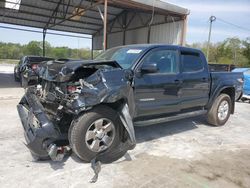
[(137, 36), (115, 39), (169, 33)]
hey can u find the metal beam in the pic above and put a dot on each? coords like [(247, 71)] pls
[(110, 21), (78, 13), (53, 15), (184, 31), (45, 16), (24, 5), (43, 22), (124, 27), (140, 27), (96, 11), (105, 25), (92, 48), (44, 35), (51, 33)]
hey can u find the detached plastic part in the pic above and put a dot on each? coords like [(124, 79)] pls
[(39, 130), (121, 149), (57, 153)]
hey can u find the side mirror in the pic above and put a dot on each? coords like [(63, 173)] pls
[(149, 68)]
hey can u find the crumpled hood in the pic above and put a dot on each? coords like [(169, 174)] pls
[(61, 71)]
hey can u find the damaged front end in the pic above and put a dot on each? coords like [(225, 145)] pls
[(41, 134), (65, 91)]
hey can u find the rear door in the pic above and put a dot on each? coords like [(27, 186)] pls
[(196, 80), (158, 93)]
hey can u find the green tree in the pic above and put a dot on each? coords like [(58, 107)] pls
[(33, 48), (246, 50)]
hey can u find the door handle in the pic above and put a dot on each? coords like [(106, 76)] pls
[(204, 79), (177, 81)]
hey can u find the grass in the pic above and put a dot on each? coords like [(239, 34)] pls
[(9, 61)]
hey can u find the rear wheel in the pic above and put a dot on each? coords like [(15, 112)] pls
[(220, 110), (95, 132)]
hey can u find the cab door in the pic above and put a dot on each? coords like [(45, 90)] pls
[(196, 80), (157, 90)]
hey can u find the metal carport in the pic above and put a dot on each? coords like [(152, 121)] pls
[(109, 22)]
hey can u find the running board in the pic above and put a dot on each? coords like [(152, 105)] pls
[(170, 118)]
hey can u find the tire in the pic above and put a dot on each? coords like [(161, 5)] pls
[(84, 124), (214, 117)]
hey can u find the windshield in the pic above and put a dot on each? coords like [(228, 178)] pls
[(124, 56)]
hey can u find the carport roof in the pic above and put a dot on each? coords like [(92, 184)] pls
[(77, 16)]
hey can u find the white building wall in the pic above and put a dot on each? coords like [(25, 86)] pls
[(169, 33)]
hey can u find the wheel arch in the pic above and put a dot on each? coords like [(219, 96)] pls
[(229, 90), (122, 108)]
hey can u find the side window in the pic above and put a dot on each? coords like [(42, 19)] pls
[(191, 62), (166, 60)]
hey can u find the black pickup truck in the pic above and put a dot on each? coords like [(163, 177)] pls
[(92, 106)]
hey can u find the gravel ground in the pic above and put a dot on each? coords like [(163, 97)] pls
[(185, 153)]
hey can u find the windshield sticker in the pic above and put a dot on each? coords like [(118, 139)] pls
[(133, 51)]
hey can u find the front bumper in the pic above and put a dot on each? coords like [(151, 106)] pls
[(39, 131)]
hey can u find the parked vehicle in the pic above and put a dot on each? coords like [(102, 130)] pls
[(245, 94), (94, 105), (25, 70)]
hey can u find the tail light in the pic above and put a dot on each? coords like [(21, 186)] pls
[(71, 89), (34, 66)]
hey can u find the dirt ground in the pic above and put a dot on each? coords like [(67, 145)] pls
[(185, 153)]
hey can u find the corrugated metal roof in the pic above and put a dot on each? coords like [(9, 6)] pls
[(78, 16)]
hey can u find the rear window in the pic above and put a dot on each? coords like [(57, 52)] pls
[(191, 62)]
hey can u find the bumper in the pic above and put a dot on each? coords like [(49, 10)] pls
[(39, 131)]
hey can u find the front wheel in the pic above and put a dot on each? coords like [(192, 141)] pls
[(95, 132), (220, 110)]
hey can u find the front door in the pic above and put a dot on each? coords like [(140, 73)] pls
[(157, 93)]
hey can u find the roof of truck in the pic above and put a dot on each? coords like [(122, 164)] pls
[(162, 45)]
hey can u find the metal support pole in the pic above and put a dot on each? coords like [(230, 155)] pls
[(184, 31), (149, 31), (92, 50), (124, 27), (212, 19), (44, 35), (105, 25)]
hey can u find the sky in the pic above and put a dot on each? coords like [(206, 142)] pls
[(233, 11)]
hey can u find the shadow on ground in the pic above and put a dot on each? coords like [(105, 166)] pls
[(148, 133), (145, 134), (7, 81)]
